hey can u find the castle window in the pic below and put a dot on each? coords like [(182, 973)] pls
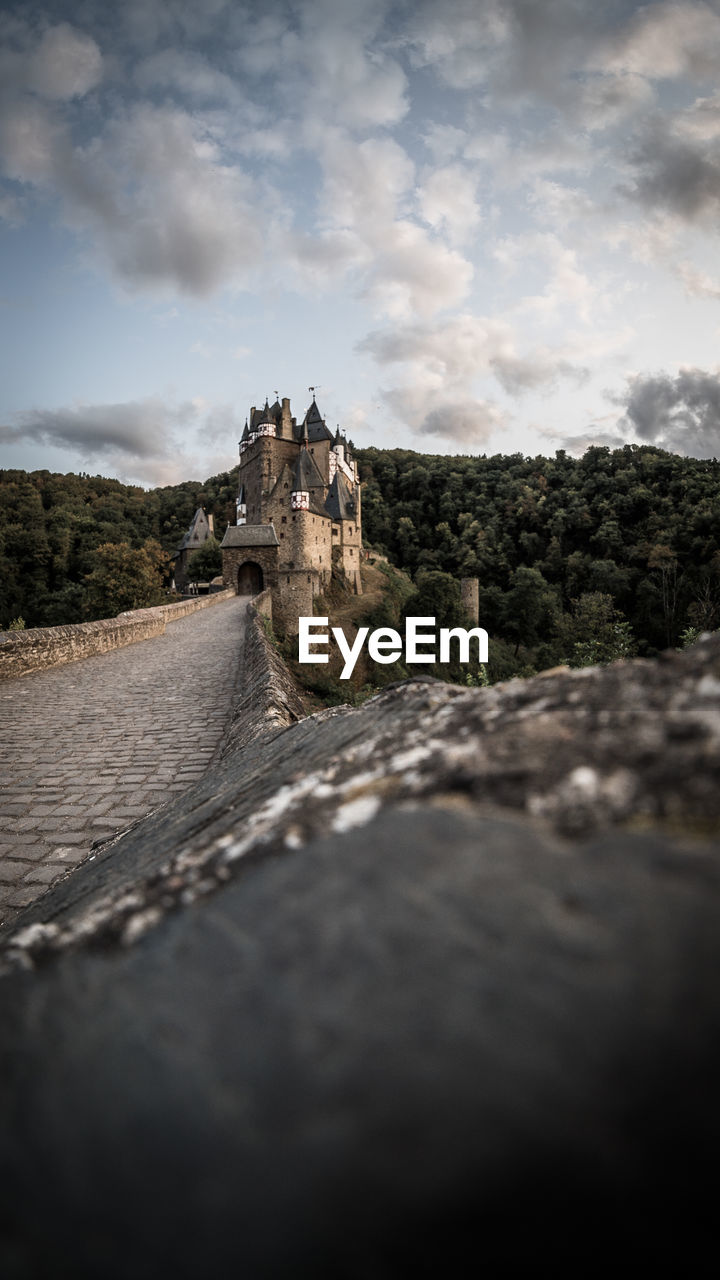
[(308, 577), (284, 519), (335, 532), (288, 578), (282, 535)]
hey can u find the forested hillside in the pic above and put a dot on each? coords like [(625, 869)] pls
[(52, 528), (578, 559)]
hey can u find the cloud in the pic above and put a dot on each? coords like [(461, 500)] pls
[(594, 438), (567, 286), (701, 120), (465, 347), (428, 411), (365, 206), (608, 100), (680, 413), (676, 173), (161, 206), (664, 41), (149, 440), (65, 64), (328, 61), (470, 422), (440, 364), (698, 283), (447, 200)]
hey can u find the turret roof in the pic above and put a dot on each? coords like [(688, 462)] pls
[(196, 536), (314, 424), (267, 415), (340, 502), (306, 474)]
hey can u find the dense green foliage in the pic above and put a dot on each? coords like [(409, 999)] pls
[(205, 564), (578, 559), (52, 527), (125, 577)]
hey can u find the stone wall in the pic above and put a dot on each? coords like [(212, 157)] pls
[(293, 597), (268, 700), (426, 980), (24, 651), (262, 603)]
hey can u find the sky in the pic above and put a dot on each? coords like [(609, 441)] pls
[(475, 226)]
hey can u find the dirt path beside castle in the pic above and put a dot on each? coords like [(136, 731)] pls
[(88, 748)]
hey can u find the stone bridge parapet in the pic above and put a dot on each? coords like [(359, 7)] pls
[(41, 647)]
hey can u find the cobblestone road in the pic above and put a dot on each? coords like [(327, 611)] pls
[(88, 748)]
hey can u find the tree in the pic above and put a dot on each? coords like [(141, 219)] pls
[(530, 607), (595, 632), (206, 563), (124, 578)]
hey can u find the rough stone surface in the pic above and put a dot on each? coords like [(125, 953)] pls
[(22, 652), (90, 747), (268, 699), (392, 990)]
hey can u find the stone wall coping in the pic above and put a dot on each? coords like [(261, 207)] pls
[(38, 648)]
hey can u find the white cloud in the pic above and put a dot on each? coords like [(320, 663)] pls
[(567, 287), (466, 347), (701, 120), (664, 41), (459, 38), (447, 201), (414, 275)]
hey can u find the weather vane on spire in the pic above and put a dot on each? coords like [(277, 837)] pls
[(314, 389)]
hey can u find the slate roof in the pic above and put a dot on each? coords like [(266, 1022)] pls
[(314, 425), (266, 416), (340, 502), (250, 535), (285, 478), (196, 537), (306, 474)]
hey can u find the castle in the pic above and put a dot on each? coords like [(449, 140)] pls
[(298, 511)]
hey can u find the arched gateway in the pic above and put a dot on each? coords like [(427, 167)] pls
[(250, 553), (250, 579)]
